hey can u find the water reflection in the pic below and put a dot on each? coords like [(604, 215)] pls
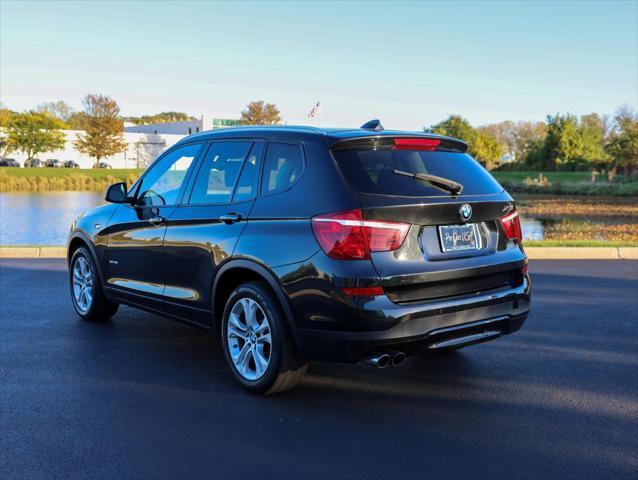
[(532, 228), (42, 218)]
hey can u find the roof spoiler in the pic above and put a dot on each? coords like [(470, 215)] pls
[(387, 140)]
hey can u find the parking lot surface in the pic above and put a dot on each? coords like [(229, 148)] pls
[(144, 397)]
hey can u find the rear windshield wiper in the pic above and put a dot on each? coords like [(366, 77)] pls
[(441, 183)]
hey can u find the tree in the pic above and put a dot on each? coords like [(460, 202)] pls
[(623, 143), (455, 126), (593, 131), (77, 121), (35, 132), (529, 138), (104, 131), (482, 144), (519, 138), (487, 149), (6, 117), (572, 143), (563, 144), (162, 117), (58, 109), (258, 113), (504, 134)]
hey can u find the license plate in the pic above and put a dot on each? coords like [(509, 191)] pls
[(459, 238)]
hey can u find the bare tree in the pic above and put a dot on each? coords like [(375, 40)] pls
[(59, 109)]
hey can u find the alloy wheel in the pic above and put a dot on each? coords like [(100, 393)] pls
[(82, 284), (249, 339)]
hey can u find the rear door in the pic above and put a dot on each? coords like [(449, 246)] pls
[(202, 233), (455, 244)]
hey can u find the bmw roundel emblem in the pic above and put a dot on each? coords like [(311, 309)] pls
[(465, 212)]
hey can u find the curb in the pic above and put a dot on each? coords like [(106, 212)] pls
[(534, 253), (32, 252)]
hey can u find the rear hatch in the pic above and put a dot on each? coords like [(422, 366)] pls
[(458, 243)]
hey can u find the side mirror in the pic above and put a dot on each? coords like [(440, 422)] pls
[(116, 193)]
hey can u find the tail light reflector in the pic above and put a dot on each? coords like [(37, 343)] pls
[(347, 236), (428, 144), (363, 291), (512, 226)]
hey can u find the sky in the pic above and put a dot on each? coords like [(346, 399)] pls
[(410, 64)]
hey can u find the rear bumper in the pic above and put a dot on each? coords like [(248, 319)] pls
[(435, 324)]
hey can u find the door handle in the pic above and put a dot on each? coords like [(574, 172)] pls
[(157, 220), (230, 218)]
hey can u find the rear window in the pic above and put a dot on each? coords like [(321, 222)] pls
[(372, 171)]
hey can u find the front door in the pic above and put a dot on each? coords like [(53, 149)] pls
[(202, 233), (136, 232)]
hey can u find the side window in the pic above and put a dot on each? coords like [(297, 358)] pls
[(216, 179), (162, 184), (283, 166), (249, 178)]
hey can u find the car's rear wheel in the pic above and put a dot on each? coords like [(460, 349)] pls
[(257, 343), (86, 290)]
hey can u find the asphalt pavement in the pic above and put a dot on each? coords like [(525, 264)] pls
[(144, 397)]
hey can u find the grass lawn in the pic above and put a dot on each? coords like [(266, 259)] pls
[(561, 177), (94, 173), (566, 183)]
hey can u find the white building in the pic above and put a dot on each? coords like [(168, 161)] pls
[(205, 122), (144, 143), (141, 150)]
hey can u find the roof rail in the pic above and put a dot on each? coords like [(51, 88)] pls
[(373, 125)]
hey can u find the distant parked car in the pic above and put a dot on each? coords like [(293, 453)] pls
[(101, 165), (9, 162), (33, 163), (53, 163), (71, 164)]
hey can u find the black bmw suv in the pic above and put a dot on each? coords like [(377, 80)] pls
[(297, 244)]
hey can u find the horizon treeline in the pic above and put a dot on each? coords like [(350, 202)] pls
[(563, 142)]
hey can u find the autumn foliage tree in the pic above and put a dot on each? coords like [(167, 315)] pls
[(104, 130), (162, 117), (482, 145), (260, 113)]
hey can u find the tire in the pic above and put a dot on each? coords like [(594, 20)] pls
[(93, 305), (245, 341)]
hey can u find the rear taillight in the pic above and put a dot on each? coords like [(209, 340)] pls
[(428, 144), (347, 236), (512, 226)]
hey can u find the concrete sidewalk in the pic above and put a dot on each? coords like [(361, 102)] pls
[(534, 253)]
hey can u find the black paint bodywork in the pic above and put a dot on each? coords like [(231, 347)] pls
[(181, 266)]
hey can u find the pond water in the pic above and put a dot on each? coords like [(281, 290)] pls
[(42, 218), (45, 218)]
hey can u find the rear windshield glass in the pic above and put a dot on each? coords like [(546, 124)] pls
[(372, 171)]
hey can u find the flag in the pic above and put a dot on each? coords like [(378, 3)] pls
[(315, 111)]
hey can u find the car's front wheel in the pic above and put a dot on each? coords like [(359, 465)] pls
[(86, 291), (257, 343)]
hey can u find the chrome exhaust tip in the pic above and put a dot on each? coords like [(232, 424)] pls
[(379, 360), (396, 357)]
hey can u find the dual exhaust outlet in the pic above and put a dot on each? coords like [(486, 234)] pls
[(384, 359)]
